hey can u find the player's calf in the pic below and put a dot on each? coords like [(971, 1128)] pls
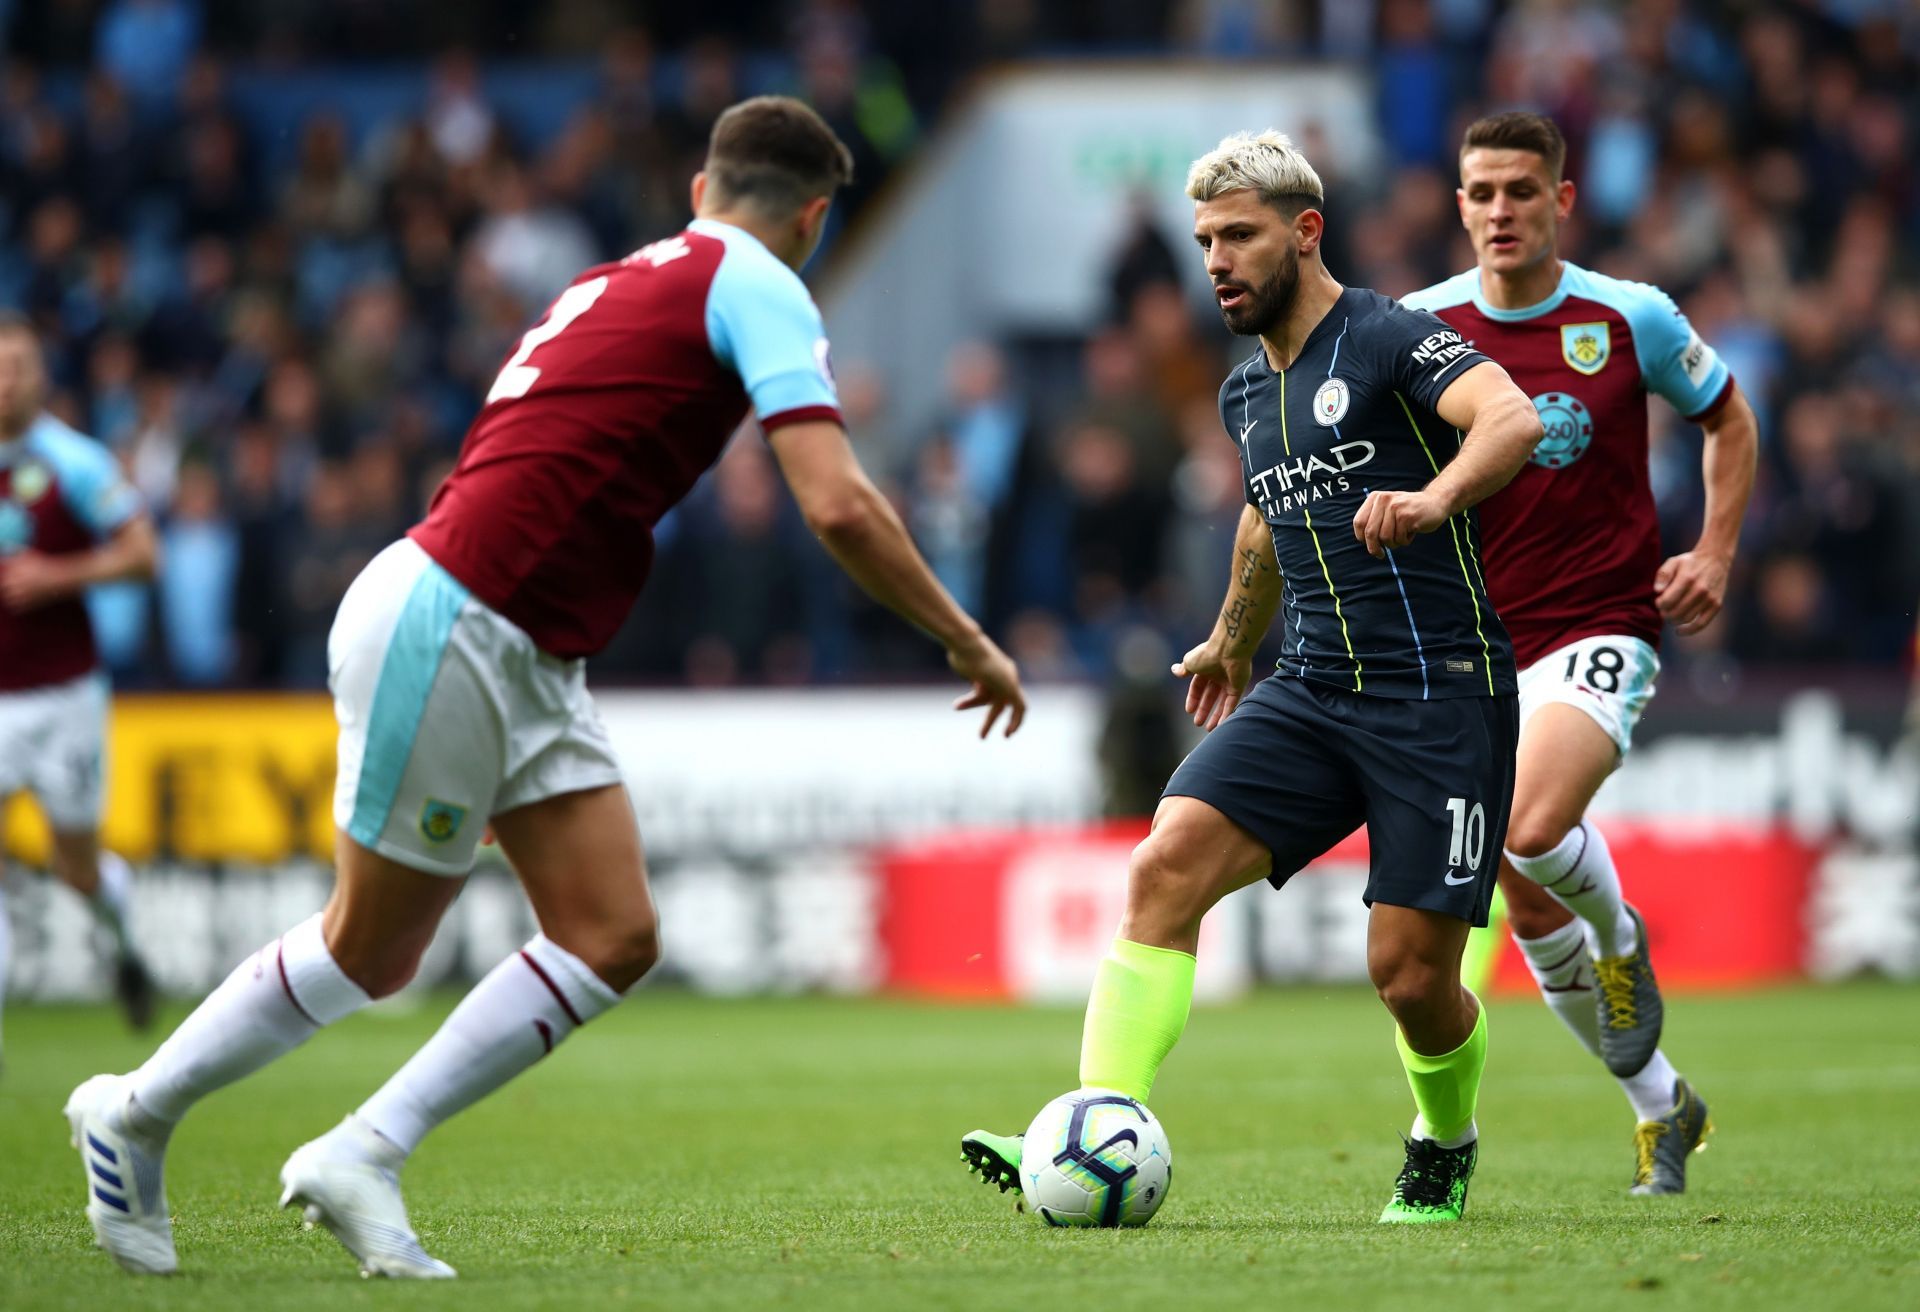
[(1413, 960), (1413, 957), (525, 1008)]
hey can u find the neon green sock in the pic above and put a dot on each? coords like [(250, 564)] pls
[(1482, 954), (1447, 1088), (1139, 1005)]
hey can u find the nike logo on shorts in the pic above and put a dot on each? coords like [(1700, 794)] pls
[(1464, 879)]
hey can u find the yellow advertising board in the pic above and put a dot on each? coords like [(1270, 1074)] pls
[(229, 777)]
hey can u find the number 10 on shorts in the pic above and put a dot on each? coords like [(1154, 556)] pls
[(1469, 833)]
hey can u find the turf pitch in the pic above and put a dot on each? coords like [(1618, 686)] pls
[(693, 1153)]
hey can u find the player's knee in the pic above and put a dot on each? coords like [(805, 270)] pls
[(622, 953), (380, 971), (1162, 888), (1527, 921), (1531, 834), (638, 948), (1410, 986)]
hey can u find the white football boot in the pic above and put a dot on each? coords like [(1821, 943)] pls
[(348, 1180), (126, 1197)]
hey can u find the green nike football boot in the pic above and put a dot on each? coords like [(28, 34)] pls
[(1661, 1148), (1432, 1185), (995, 1156)]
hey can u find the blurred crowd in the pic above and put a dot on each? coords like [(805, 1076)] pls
[(283, 319)]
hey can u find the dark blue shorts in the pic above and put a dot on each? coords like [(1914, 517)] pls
[(1301, 766)]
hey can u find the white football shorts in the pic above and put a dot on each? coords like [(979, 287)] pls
[(1609, 677), (52, 744), (449, 714)]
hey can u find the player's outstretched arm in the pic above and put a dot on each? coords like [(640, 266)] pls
[(1221, 666), (1501, 427), (859, 529), (31, 578), (1690, 587)]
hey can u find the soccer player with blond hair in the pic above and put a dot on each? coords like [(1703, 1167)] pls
[(1367, 433)]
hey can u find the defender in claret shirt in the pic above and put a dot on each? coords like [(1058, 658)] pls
[(68, 520), (1367, 433), (1573, 563), (456, 668)]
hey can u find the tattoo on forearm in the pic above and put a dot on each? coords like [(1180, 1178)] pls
[(1251, 567), (1233, 617)]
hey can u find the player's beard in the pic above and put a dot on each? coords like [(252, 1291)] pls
[(1265, 306)]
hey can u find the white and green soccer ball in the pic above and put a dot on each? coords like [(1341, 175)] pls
[(1094, 1157)]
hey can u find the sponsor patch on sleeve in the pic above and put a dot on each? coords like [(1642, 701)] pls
[(1440, 349), (1697, 360)]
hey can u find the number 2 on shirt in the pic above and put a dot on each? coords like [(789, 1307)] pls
[(516, 375)]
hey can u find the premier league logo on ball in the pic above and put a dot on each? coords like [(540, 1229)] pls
[(1569, 426)]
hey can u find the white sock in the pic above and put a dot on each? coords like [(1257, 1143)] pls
[(1579, 874), (273, 1002), (1564, 972), (518, 1014), (112, 900), (1422, 1131), (1651, 1091)]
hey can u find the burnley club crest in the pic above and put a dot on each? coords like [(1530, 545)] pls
[(1585, 346)]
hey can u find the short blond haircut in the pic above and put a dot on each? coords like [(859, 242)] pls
[(1269, 164)]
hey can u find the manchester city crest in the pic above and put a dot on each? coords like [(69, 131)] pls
[(1569, 426), (1330, 402), (1586, 346), (440, 821)]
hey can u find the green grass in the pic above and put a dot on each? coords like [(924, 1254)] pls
[(687, 1153)]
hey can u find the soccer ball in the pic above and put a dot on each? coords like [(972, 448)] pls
[(1094, 1157)]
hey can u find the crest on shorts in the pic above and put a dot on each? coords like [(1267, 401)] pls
[(440, 821), (1586, 347), (1330, 402)]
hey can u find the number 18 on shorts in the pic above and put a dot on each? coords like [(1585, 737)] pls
[(1609, 678)]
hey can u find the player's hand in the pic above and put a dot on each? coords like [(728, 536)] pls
[(1217, 682), (996, 683), (1689, 589), (31, 579), (1389, 520)]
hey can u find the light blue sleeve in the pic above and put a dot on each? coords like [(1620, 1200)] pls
[(1674, 362), (1457, 290), (764, 326), (91, 483)]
